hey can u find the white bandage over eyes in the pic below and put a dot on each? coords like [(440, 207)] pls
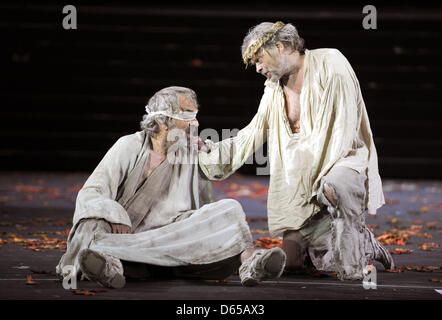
[(182, 115)]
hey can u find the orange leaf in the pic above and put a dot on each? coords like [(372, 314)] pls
[(418, 268), (431, 225), (29, 280), (395, 271), (400, 251), (221, 281), (261, 231), (428, 246), (265, 242), (64, 233), (84, 292)]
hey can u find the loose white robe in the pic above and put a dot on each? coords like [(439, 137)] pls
[(173, 214), (335, 131)]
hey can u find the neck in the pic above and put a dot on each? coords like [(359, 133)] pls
[(159, 143), (294, 79)]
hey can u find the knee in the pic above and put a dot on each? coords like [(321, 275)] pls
[(232, 208), (295, 248), (233, 205), (292, 235)]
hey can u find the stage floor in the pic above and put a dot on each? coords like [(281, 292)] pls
[(36, 214)]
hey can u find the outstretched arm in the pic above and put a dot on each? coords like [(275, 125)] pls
[(227, 156)]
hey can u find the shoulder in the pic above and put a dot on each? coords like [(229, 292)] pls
[(330, 62), (130, 142), (326, 54)]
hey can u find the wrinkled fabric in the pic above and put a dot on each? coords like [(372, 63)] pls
[(338, 239), (334, 131), (109, 189), (212, 233), (172, 213)]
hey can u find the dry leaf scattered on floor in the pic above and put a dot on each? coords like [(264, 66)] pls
[(429, 246), (90, 292), (267, 243), (400, 251), (30, 281)]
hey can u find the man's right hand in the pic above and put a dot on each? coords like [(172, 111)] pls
[(120, 228)]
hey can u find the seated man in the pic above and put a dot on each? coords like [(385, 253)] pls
[(147, 203)]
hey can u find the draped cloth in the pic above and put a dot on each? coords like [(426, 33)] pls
[(334, 131), (173, 214)]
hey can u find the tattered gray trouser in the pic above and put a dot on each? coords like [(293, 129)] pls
[(336, 238)]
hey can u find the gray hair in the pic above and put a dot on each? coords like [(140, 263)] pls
[(166, 99), (288, 35)]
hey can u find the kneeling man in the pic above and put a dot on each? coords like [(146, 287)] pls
[(146, 203)]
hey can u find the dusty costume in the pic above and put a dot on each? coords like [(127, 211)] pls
[(335, 144), (171, 211)]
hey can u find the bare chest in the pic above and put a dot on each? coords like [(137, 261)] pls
[(293, 110), (153, 161)]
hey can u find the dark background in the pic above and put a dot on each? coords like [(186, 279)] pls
[(67, 95)]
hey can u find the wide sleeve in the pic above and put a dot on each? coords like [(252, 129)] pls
[(227, 156), (335, 128), (97, 198)]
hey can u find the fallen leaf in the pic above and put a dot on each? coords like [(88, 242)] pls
[(6, 199), (260, 231), (24, 188), (84, 292), (435, 280), (418, 268), (265, 242), (431, 225), (256, 219), (75, 188), (64, 233), (221, 281), (400, 251), (395, 221), (395, 271), (29, 280), (196, 63), (391, 201), (428, 246)]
